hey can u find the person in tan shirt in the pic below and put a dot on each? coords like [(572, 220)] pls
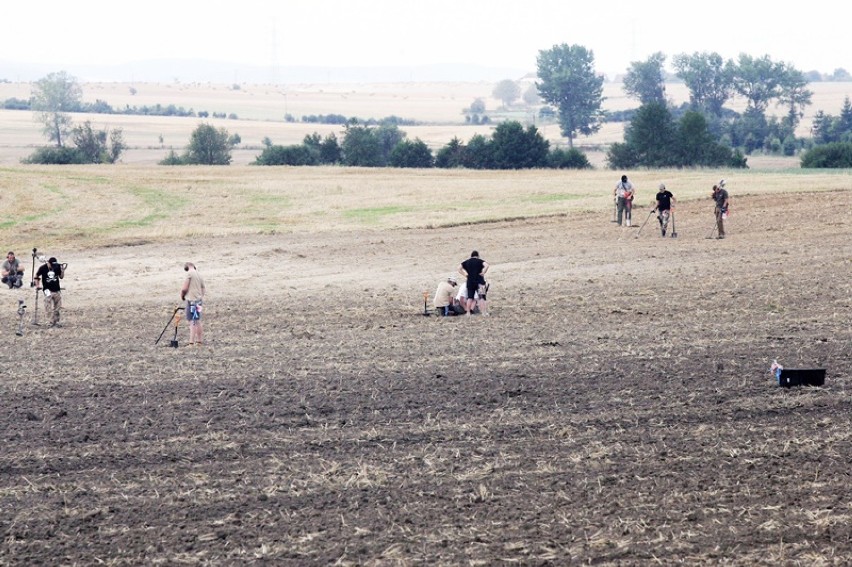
[(193, 293)]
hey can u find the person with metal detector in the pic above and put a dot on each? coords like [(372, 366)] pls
[(192, 292), (624, 193), (47, 280), (665, 208), (721, 199), (13, 273)]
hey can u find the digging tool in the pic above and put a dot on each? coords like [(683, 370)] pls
[(175, 318), (674, 232), (425, 304), (644, 223), (22, 309)]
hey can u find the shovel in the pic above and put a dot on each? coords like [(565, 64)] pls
[(674, 232)]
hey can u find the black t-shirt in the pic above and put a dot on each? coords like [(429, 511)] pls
[(473, 266), (49, 275), (665, 200)]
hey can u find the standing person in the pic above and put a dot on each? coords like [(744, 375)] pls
[(47, 279), (720, 196), (624, 193), (664, 206), (473, 269), (13, 273), (443, 301), (193, 293)]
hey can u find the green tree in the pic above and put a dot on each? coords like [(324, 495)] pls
[(208, 146), (478, 154), (361, 148), (567, 81), (645, 80), (98, 146), (53, 97), (833, 155), (758, 80), (795, 96), (388, 135), (451, 155), (507, 91), (409, 153), (512, 147), (709, 80)]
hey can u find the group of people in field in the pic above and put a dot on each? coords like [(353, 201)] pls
[(471, 298), (624, 194)]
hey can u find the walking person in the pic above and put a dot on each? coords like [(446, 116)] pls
[(664, 206), (193, 293), (47, 279), (624, 193), (13, 273), (473, 269), (720, 197)]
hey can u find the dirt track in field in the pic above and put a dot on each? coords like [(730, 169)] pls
[(616, 408)]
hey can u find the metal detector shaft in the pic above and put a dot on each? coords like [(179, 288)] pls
[(170, 321), (644, 223), (35, 317)]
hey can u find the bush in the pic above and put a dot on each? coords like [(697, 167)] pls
[(298, 154), (411, 154), (55, 155), (172, 159), (567, 159), (833, 155)]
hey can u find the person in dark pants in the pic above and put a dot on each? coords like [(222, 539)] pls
[(473, 269), (664, 207), (47, 279), (720, 197), (624, 193)]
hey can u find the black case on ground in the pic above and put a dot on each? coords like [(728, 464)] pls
[(802, 377)]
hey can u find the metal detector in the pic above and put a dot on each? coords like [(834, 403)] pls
[(715, 226), (175, 318), (644, 223), (22, 309), (614, 211)]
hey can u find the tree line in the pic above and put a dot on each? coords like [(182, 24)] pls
[(701, 132)]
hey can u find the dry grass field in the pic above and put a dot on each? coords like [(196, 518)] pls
[(616, 408)]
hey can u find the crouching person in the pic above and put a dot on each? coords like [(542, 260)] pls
[(13, 273), (443, 301)]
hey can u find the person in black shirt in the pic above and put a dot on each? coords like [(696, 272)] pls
[(473, 269), (47, 279), (665, 206)]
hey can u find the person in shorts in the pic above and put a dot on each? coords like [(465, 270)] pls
[(193, 293), (473, 269), (720, 197)]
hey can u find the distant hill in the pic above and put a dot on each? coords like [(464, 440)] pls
[(201, 71)]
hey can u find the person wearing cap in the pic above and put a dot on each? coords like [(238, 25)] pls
[(192, 292), (664, 207), (443, 301), (47, 280), (624, 193), (13, 273), (473, 269), (720, 197)]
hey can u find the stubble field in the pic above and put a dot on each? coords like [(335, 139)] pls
[(615, 408)]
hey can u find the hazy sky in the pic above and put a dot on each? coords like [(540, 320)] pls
[(343, 33)]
